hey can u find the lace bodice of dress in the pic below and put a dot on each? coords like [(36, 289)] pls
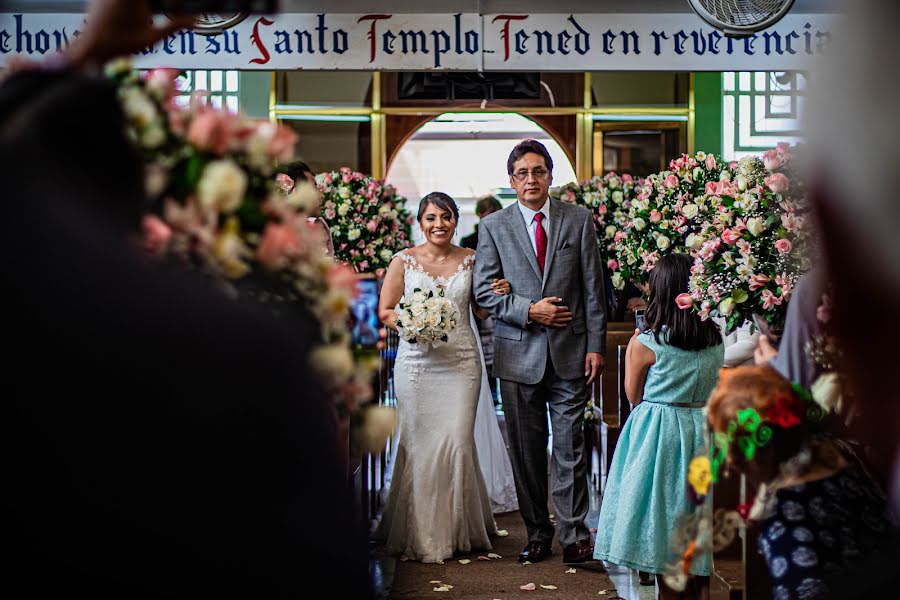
[(457, 287)]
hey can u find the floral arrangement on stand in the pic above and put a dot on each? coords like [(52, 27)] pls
[(609, 200), (216, 207), (753, 248), (666, 214), (368, 219)]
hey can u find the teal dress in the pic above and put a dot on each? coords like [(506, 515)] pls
[(646, 489)]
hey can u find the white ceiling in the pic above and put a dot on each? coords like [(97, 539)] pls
[(448, 6)]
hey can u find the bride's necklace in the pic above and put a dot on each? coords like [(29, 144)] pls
[(438, 259)]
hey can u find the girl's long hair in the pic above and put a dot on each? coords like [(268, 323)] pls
[(684, 328)]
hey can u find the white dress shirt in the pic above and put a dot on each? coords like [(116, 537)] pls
[(531, 224)]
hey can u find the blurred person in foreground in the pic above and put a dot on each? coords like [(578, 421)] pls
[(294, 175), (161, 446), (854, 170), (820, 514)]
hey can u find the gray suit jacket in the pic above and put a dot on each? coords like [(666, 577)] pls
[(573, 273)]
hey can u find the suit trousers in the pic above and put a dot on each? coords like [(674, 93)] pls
[(525, 407)]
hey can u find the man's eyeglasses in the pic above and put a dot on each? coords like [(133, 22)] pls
[(538, 173)]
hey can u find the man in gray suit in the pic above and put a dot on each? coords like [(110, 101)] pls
[(549, 338)]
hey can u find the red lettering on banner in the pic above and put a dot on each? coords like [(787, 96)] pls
[(371, 34), (504, 35), (257, 41)]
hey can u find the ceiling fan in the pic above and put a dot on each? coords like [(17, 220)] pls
[(741, 18)]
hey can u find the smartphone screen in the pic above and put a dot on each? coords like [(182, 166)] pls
[(364, 321), (639, 318)]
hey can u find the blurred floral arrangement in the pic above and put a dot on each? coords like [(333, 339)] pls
[(609, 200), (215, 206), (368, 220), (752, 249), (666, 215)]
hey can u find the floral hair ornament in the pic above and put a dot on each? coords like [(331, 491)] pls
[(285, 183)]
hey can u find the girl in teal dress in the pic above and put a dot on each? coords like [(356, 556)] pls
[(670, 371)]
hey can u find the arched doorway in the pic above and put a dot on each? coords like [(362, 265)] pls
[(464, 155)]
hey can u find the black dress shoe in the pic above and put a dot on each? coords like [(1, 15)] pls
[(535, 552), (579, 552)]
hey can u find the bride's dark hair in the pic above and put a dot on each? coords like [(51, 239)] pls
[(440, 200), (683, 328)]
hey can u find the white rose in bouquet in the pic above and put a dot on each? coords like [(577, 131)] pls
[(426, 317)]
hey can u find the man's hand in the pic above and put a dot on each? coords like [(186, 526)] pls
[(547, 312), (764, 351), (118, 28), (593, 364)]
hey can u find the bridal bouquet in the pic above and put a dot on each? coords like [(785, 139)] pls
[(609, 199), (215, 207), (426, 317), (368, 220), (669, 210), (753, 248)]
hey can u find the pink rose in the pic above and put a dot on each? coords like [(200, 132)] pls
[(156, 235), (671, 181), (210, 130), (784, 246), (284, 181), (710, 188), (363, 265), (602, 209), (627, 178), (162, 82), (684, 301), (281, 146), (279, 241), (330, 214), (730, 236), (612, 264), (327, 178), (710, 162), (655, 216), (372, 226), (777, 182), (771, 160)]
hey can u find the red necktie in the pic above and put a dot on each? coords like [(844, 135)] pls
[(540, 240)]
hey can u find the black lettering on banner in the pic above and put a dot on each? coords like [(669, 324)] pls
[(748, 43), (582, 37), (301, 36), (699, 42), (521, 38), (544, 37), (680, 38), (387, 42), (657, 36), (471, 41), (608, 38), (788, 46), (563, 40), (769, 37), (212, 45), (714, 38), (634, 40), (234, 46), (321, 29), (283, 42), (411, 40), (340, 41), (438, 36)]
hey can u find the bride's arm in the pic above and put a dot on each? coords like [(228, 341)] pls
[(501, 287), (391, 292)]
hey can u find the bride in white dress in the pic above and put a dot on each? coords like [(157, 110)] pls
[(438, 503)]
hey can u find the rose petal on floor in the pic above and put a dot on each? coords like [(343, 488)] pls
[(483, 558), (526, 563), (492, 555), (502, 532), (601, 593), (435, 581), (571, 571), (528, 587), (464, 561), (443, 588), (548, 587)]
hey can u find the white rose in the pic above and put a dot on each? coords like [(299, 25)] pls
[(385, 255), (613, 183), (334, 362), (698, 173), (617, 197), (419, 323), (726, 307), (138, 107), (343, 209), (432, 319), (756, 225), (662, 242), (222, 186), (690, 210), (419, 297), (639, 224), (353, 234), (153, 136), (617, 281), (383, 210), (724, 175), (742, 182), (432, 304), (610, 231), (694, 241), (344, 192), (393, 215)]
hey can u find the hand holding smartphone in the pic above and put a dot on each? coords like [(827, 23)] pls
[(764, 329), (196, 7), (639, 319)]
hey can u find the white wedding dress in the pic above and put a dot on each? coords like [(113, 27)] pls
[(438, 502)]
